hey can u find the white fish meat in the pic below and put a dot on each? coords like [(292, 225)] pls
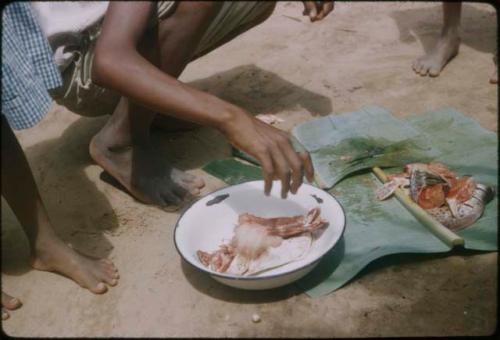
[(261, 244)]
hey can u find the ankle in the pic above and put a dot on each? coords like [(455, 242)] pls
[(450, 33), (44, 245)]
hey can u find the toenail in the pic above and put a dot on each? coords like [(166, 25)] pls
[(101, 288)]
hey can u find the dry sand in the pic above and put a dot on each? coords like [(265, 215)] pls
[(361, 54)]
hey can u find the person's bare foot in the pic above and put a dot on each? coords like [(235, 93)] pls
[(433, 62), (9, 303), (94, 274), (494, 75), (145, 174)]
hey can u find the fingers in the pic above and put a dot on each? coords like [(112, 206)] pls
[(295, 163), (281, 167), (308, 166), (267, 171)]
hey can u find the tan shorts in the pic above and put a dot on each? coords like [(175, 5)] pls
[(80, 95)]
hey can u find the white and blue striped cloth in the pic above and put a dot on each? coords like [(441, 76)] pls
[(28, 68)]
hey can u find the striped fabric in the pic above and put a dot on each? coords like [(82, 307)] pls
[(28, 69)]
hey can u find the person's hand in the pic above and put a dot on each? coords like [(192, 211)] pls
[(274, 151), (317, 10)]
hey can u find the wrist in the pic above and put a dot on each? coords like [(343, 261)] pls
[(231, 119)]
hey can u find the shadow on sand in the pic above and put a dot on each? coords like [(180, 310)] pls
[(81, 215), (478, 26)]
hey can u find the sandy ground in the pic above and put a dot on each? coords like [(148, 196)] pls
[(359, 55)]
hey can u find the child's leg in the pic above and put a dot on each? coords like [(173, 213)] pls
[(48, 252), (447, 47)]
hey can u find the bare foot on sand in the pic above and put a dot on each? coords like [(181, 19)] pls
[(55, 256), (433, 62), (145, 174), (494, 75), (9, 303)]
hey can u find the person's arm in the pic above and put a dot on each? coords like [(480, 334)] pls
[(118, 65)]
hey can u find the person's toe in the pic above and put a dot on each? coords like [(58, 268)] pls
[(415, 65), (198, 182), (418, 67), (108, 263), (171, 198), (109, 278), (434, 71), (188, 179), (5, 314), (424, 70), (494, 78), (98, 288), (10, 302)]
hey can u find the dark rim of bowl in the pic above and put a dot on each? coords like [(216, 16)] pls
[(247, 278)]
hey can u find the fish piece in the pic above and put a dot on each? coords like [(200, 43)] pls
[(442, 170), (420, 179), (291, 249), (467, 212), (462, 191), (287, 226), (431, 197), (253, 239), (409, 168), (219, 260), (389, 187), (456, 202), (269, 118), (260, 244), (390, 177), (312, 222)]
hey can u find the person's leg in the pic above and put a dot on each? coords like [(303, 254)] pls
[(48, 252), (447, 46), (171, 124), (122, 147), (9, 303)]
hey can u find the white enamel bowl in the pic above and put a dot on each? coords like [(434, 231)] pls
[(203, 227)]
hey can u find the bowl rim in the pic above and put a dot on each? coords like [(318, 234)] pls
[(252, 278)]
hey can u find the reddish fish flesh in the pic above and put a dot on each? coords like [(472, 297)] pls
[(261, 243), (456, 202)]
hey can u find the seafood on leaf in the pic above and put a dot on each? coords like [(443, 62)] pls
[(456, 202), (261, 244)]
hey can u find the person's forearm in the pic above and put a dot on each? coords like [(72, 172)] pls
[(134, 77)]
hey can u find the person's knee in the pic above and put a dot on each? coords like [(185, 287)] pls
[(189, 16), (196, 10), (267, 13)]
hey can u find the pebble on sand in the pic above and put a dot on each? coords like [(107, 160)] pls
[(256, 318)]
